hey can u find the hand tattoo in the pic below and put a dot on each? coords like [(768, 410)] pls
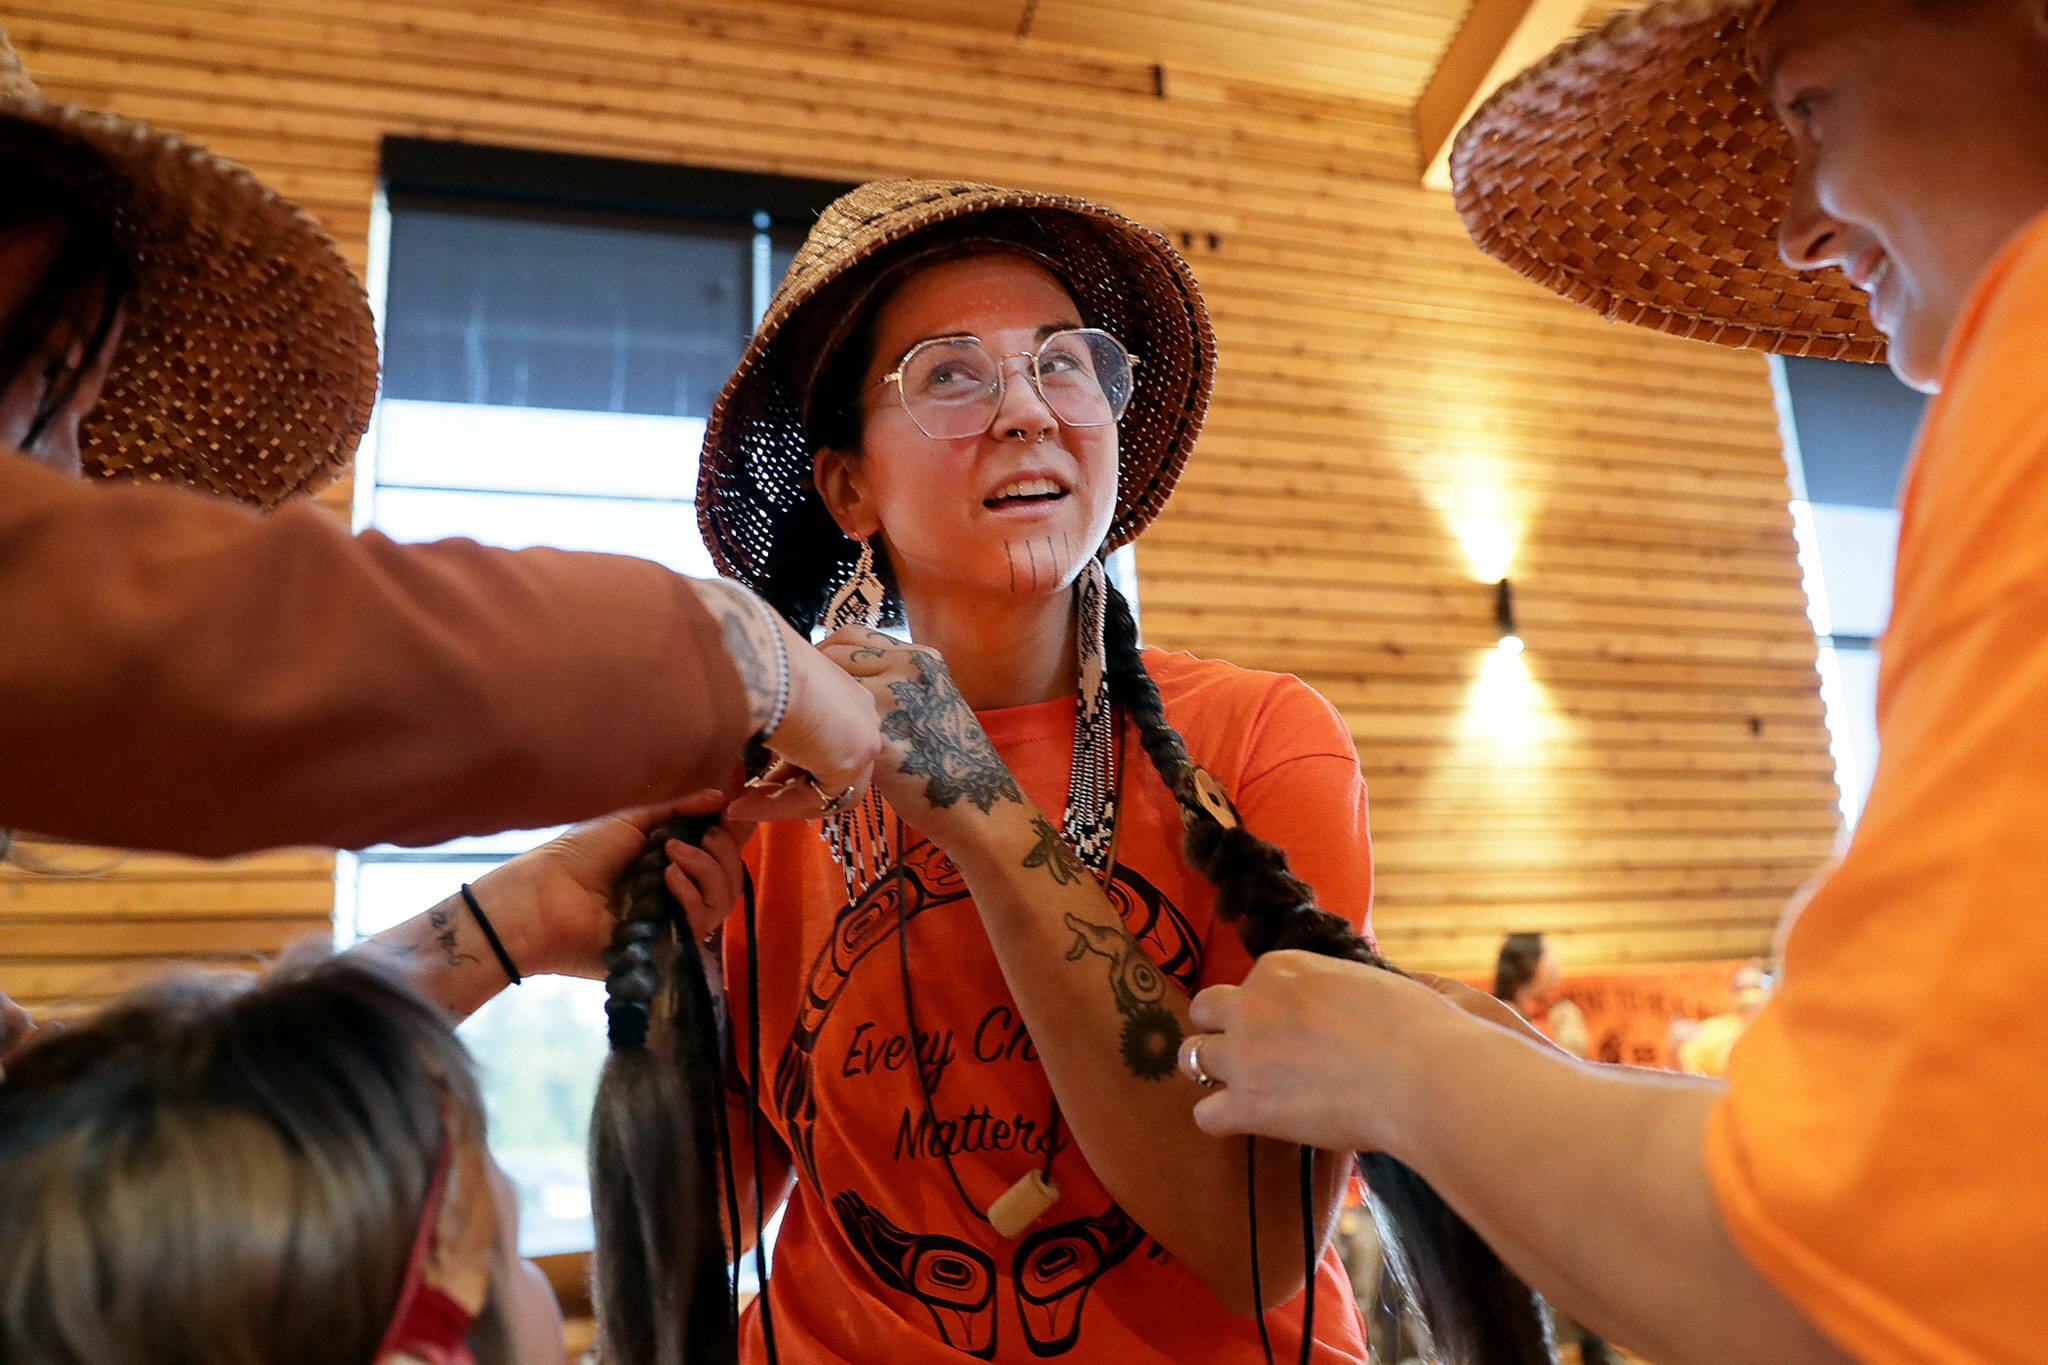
[(1052, 853), (1152, 1033), (945, 744), (444, 936)]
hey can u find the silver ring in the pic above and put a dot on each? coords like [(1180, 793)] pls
[(834, 805), (1194, 1063)]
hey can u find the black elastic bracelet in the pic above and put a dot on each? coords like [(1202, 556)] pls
[(490, 935)]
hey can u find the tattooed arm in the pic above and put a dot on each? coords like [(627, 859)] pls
[(811, 714), (1106, 1022)]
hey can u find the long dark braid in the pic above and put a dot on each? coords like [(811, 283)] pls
[(1476, 1311), (658, 1156)]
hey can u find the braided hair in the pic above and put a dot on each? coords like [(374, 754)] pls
[(1475, 1310), (658, 1153)]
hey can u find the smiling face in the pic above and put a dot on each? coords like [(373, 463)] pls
[(1921, 131), (1012, 511)]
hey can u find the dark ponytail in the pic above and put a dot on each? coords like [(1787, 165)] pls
[(657, 1151), (1475, 1310)]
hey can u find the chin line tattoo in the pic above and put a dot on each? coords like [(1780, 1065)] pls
[(946, 745), (1043, 565), (1151, 1033)]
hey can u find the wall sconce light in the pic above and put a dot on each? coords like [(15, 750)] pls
[(1504, 617)]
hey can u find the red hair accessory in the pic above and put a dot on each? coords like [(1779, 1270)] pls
[(427, 1325)]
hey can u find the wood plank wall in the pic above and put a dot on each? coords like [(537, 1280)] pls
[(1650, 782)]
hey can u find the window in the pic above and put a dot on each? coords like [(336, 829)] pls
[(555, 330), (1849, 429)]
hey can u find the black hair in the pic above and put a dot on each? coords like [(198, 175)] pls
[(1475, 1310), (85, 284), (657, 1134), (1515, 968)]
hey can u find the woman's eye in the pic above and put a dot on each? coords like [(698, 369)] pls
[(1804, 106)]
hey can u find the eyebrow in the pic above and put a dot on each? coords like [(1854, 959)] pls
[(1043, 332), (1766, 73)]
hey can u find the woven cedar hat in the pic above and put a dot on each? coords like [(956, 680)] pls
[(755, 478), (1640, 171), (249, 362)]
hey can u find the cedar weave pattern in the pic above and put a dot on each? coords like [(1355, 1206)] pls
[(1126, 278), (249, 363), (1639, 170)]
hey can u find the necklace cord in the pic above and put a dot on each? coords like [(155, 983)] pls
[(1251, 1211), (754, 1111), (1308, 1252)]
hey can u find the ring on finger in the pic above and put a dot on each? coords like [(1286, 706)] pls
[(834, 804), (1191, 1062)]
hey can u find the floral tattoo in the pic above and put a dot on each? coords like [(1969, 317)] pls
[(1152, 1033), (945, 745)]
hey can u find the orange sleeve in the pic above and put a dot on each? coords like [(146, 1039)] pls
[(1881, 1152), (1301, 789), (179, 673)]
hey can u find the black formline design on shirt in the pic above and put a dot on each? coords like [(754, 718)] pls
[(1051, 1272), (1054, 1267)]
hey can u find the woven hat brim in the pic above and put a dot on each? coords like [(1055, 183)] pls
[(249, 362), (756, 465), (1639, 170)]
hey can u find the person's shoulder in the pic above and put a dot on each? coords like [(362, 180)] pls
[(1191, 680), (2005, 323), (1251, 706)]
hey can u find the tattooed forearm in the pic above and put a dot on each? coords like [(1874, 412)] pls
[(442, 936), (1052, 853), (745, 628), (1152, 1033), (945, 744)]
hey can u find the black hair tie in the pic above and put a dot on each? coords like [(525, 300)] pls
[(491, 935)]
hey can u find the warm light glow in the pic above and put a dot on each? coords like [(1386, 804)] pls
[(1471, 486), (1507, 718), (1487, 536)]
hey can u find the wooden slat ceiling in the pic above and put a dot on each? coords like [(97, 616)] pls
[(1381, 50)]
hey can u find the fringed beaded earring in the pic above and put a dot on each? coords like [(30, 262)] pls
[(1090, 823), (858, 835), (859, 599)]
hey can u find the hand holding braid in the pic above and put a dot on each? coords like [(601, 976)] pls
[(660, 1293)]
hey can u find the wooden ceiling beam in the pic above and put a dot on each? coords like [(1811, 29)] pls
[(1499, 38)]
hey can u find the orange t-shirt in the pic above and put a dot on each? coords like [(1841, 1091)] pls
[(878, 1257), (1882, 1151)]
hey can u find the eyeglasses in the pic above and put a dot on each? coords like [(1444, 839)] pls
[(953, 387)]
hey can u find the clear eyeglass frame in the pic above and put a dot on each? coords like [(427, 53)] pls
[(989, 402)]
